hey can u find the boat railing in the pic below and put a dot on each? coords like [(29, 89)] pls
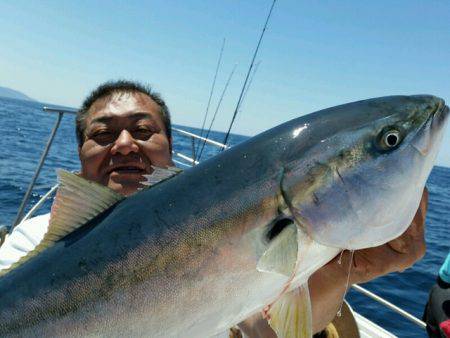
[(389, 305), (191, 161), (26, 197)]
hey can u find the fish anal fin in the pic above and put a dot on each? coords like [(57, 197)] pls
[(290, 316), (76, 202)]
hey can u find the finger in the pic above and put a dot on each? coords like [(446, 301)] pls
[(374, 262)]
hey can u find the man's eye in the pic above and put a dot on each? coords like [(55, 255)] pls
[(103, 136), (142, 133), (101, 133)]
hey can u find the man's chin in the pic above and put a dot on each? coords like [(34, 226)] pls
[(126, 185)]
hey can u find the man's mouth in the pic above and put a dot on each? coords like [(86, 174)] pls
[(127, 169)]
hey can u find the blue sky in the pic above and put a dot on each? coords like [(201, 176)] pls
[(315, 54)]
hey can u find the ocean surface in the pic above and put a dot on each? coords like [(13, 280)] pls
[(24, 130)]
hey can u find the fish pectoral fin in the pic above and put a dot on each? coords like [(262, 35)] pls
[(77, 201), (160, 174), (281, 255), (290, 316)]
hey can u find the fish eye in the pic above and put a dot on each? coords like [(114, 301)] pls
[(389, 138)]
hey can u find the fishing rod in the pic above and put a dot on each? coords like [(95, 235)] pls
[(211, 94), (248, 74), (250, 81), (215, 112), (240, 107)]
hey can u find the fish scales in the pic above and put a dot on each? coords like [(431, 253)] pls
[(114, 266)]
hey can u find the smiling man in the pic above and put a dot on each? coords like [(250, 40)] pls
[(123, 130)]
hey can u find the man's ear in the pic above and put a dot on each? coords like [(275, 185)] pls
[(170, 151), (79, 173)]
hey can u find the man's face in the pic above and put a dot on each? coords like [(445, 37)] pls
[(124, 137)]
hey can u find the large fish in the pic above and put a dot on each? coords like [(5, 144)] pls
[(199, 252)]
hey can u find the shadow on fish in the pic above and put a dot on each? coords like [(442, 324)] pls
[(198, 251)]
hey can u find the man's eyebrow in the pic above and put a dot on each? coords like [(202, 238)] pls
[(133, 116)]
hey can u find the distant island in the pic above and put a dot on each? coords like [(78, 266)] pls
[(14, 94)]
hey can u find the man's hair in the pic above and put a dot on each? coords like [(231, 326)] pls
[(109, 88)]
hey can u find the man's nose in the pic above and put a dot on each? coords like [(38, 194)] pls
[(124, 144)]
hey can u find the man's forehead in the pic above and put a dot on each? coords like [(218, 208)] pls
[(130, 105), (132, 116)]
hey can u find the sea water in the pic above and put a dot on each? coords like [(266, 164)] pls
[(25, 128)]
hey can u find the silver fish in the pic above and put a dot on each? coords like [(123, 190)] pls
[(199, 252)]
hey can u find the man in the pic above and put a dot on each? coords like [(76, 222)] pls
[(123, 129), (437, 309)]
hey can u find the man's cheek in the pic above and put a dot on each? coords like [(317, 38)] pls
[(95, 152), (157, 149), (92, 161), (160, 156)]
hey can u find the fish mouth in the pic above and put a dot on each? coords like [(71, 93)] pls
[(423, 141), (441, 113)]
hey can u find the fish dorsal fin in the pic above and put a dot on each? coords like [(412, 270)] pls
[(281, 255), (160, 174), (76, 202), (290, 316)]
